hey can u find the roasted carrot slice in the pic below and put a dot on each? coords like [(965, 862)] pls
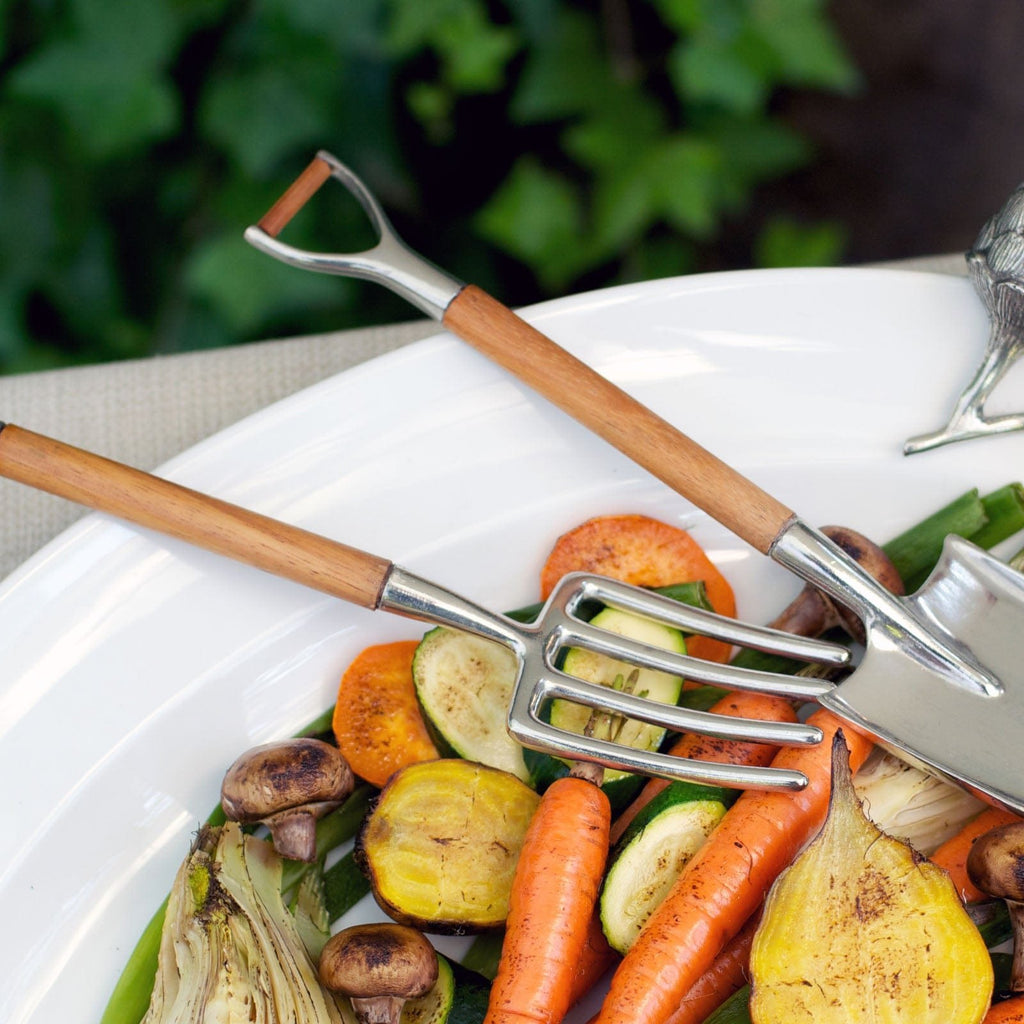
[(377, 722), (647, 553), (1009, 1012)]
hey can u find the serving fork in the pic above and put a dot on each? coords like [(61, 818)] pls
[(373, 582)]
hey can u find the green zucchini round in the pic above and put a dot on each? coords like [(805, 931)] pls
[(652, 853)]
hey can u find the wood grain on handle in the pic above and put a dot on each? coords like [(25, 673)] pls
[(209, 523), (685, 466)]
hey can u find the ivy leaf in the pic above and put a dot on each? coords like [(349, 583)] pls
[(611, 136), (566, 74), (754, 150), (106, 77), (709, 71), (684, 173), (807, 50), (536, 216), (784, 242), (625, 206), (245, 288), (474, 51), (258, 116)]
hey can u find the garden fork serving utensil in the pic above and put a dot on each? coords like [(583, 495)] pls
[(373, 582), (942, 675)]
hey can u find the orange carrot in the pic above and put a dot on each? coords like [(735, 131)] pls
[(952, 854), (647, 553), (596, 959), (728, 974), (739, 704), (1009, 1011), (553, 897), (377, 722), (724, 883)]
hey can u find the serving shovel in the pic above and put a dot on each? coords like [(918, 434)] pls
[(941, 679)]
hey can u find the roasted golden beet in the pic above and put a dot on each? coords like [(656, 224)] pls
[(441, 844), (862, 928)]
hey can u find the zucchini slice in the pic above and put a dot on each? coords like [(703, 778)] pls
[(597, 668), (440, 846), (464, 686), (652, 853), (436, 1006)]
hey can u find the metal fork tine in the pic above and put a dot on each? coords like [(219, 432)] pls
[(559, 686), (545, 736), (578, 588), (730, 677)]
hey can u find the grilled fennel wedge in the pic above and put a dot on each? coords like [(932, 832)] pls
[(230, 949)]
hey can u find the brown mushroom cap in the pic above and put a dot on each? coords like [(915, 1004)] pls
[(287, 785), (277, 776), (811, 612), (379, 961), (995, 863)]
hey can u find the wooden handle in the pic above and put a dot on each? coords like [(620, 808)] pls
[(209, 523), (295, 197), (584, 394)]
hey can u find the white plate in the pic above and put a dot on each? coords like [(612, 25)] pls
[(133, 670)]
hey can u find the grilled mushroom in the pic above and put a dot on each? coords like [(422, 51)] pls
[(811, 612), (379, 967), (287, 786), (996, 866)]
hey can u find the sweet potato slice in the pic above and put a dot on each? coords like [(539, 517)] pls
[(647, 553), (377, 721)]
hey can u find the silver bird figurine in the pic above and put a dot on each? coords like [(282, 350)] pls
[(995, 265)]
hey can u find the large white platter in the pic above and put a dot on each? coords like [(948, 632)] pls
[(133, 669)]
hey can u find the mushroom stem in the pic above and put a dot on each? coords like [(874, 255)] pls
[(1016, 911), (377, 1009)]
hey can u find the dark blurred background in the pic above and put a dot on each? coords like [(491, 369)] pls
[(537, 147)]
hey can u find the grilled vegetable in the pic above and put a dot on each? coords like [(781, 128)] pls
[(377, 722), (229, 948), (288, 786), (379, 968), (996, 866), (911, 805), (598, 668), (651, 854), (861, 927), (464, 686), (441, 845)]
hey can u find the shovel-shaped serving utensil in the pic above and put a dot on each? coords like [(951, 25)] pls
[(376, 583), (941, 679)]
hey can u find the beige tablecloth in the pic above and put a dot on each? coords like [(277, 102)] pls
[(144, 412)]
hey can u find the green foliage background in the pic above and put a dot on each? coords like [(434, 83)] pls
[(532, 146)]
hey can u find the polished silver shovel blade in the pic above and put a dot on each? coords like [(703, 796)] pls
[(934, 715)]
